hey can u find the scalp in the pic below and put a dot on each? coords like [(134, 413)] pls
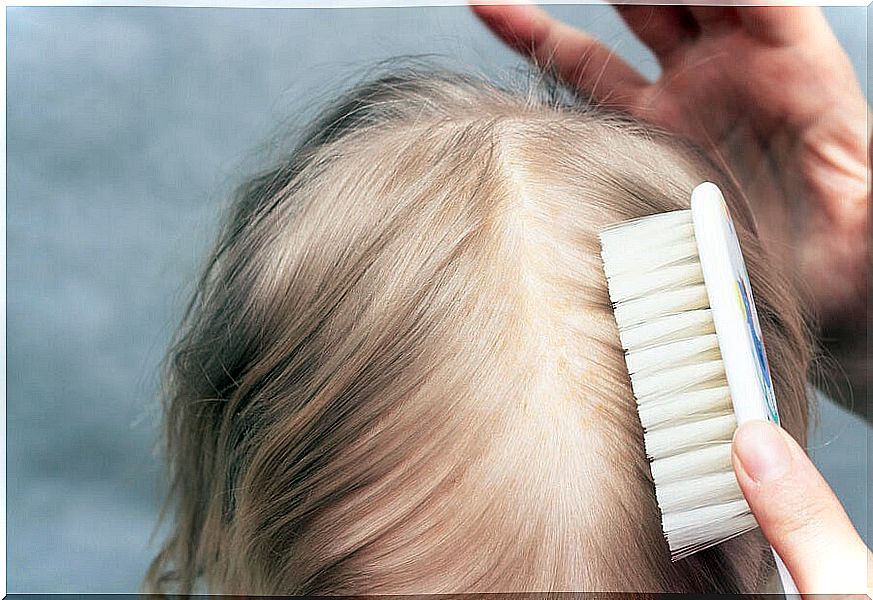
[(421, 380)]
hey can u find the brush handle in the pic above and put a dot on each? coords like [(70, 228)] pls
[(735, 318), (733, 307), (789, 588)]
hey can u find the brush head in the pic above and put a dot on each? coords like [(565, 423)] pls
[(690, 361)]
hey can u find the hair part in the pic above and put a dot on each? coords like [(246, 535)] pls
[(400, 372)]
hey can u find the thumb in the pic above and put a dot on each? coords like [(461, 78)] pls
[(798, 513)]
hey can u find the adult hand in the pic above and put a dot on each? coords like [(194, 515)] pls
[(799, 514), (769, 92)]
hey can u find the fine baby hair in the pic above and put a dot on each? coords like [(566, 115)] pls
[(400, 371)]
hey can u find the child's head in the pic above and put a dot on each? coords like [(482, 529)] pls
[(401, 374)]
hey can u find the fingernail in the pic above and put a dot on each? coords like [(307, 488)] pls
[(762, 451)]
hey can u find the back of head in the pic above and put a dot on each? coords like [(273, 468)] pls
[(401, 372)]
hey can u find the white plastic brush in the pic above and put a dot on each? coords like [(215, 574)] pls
[(693, 347)]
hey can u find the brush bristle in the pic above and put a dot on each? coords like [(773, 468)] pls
[(678, 379)]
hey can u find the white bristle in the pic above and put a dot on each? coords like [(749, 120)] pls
[(665, 411), (710, 459), (641, 309), (671, 380), (630, 285), (692, 349), (689, 436), (670, 327), (675, 366), (694, 530), (687, 494)]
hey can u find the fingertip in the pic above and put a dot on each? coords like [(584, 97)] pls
[(502, 10), (483, 9), (762, 451), (518, 24), (748, 433)]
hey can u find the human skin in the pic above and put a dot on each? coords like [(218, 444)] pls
[(799, 514), (769, 93)]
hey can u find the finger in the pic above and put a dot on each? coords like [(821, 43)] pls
[(512, 23), (664, 29), (577, 57), (798, 512), (715, 19), (784, 24)]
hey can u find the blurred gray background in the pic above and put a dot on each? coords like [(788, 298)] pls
[(126, 128)]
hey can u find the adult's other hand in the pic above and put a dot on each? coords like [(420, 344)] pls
[(770, 93)]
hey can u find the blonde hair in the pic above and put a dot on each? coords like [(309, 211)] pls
[(400, 371)]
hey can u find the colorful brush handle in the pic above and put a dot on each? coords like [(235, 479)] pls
[(736, 318)]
